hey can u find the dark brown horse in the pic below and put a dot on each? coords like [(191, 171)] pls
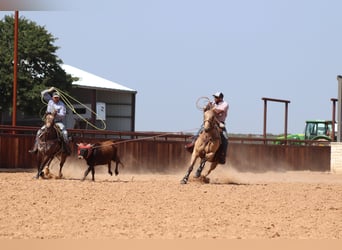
[(49, 146), (206, 145)]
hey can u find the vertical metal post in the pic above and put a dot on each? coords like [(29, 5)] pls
[(286, 118), (265, 119), (265, 115), (333, 119), (133, 112), (15, 70), (339, 109)]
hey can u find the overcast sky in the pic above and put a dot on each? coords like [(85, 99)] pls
[(173, 52)]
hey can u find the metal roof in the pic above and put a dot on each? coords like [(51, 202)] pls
[(88, 80)]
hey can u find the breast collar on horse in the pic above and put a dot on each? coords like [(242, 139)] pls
[(214, 123), (44, 132), (210, 137)]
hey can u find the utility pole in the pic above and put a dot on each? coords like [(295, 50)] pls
[(15, 69), (339, 109)]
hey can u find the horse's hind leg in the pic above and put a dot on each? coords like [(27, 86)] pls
[(212, 167)]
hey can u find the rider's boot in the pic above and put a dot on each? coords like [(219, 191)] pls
[(34, 150), (190, 146), (222, 151)]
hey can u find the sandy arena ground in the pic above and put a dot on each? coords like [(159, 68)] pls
[(282, 205)]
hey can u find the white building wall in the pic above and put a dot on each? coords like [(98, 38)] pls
[(336, 157)]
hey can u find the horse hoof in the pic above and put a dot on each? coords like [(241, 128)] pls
[(183, 181), (197, 175), (205, 179)]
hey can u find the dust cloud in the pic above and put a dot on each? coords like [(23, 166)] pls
[(74, 168)]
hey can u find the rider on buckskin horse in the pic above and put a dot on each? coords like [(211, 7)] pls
[(221, 110), (55, 105)]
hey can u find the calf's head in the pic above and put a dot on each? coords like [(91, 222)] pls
[(84, 150)]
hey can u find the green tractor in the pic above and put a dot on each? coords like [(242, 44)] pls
[(315, 130)]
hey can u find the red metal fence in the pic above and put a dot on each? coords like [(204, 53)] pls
[(164, 152)]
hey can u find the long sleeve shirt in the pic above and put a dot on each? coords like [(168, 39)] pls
[(54, 106)]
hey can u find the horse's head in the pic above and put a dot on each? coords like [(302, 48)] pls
[(209, 120), (49, 120), (208, 106)]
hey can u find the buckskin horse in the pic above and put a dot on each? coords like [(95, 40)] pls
[(206, 145), (49, 146)]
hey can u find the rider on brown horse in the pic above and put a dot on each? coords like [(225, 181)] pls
[(57, 107), (220, 108)]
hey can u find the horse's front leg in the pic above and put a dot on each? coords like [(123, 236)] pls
[(41, 166), (200, 168), (48, 163), (192, 163)]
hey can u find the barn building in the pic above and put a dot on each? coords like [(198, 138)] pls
[(99, 103), (111, 102)]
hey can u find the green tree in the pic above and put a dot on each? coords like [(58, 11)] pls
[(38, 65)]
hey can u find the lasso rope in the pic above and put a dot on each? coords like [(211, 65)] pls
[(151, 137), (65, 97), (202, 102)]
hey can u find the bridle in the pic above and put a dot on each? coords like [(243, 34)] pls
[(212, 122)]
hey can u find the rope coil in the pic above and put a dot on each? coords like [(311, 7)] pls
[(65, 97), (202, 102)]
